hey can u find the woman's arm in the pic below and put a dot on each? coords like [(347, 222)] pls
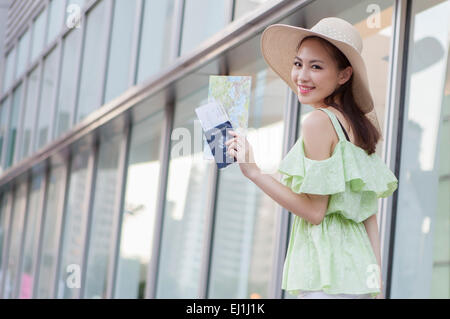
[(317, 131), (371, 226), (299, 204)]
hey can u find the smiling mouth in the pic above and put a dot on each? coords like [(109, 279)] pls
[(305, 89)]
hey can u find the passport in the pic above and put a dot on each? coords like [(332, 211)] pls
[(216, 126)]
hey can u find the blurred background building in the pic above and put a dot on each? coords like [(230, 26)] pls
[(96, 203)]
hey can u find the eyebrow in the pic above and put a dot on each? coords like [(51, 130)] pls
[(312, 61)]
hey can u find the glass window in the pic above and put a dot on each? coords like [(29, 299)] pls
[(38, 35), (124, 21), (93, 59), (75, 222), (18, 218), (140, 208), (9, 70), (4, 224), (202, 19), (185, 209), (421, 260), (23, 53), (52, 219), (48, 88), (13, 126), (31, 238), (67, 83), (55, 19), (156, 35), (245, 222), (242, 7), (30, 112), (4, 112), (105, 196)]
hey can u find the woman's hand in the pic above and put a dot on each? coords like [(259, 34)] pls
[(239, 148)]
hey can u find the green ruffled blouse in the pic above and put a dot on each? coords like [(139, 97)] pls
[(335, 256)]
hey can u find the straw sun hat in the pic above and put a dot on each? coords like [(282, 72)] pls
[(279, 44)]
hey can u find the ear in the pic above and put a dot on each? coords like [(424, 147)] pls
[(345, 75)]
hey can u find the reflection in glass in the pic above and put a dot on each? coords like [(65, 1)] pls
[(140, 208), (67, 83), (18, 218), (186, 204), (55, 194), (93, 58), (55, 19), (47, 97), (75, 222), (202, 19), (4, 206), (243, 7), (13, 126), (30, 112), (120, 53), (105, 195), (38, 35), (157, 26), (23, 52), (9, 70), (26, 279), (4, 109), (421, 262)]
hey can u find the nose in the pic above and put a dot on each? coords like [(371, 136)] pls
[(303, 76)]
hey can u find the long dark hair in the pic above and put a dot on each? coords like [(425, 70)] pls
[(365, 132)]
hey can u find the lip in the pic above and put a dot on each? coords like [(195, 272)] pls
[(305, 89)]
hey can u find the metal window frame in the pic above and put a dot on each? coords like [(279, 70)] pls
[(291, 130), (109, 11), (24, 78), (5, 252), (25, 212), (109, 6), (80, 58), (394, 132), (40, 75), (58, 224), (63, 228), (38, 222), (42, 216), (59, 227), (89, 210), (135, 45), (14, 191), (164, 156), (8, 104), (118, 210)]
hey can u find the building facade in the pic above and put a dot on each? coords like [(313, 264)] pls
[(96, 199)]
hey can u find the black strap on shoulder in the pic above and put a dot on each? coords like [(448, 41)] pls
[(343, 130)]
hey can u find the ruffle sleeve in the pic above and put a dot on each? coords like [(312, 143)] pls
[(354, 178)]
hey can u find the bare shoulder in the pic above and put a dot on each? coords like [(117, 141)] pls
[(317, 131)]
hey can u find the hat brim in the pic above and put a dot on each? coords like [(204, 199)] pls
[(278, 47)]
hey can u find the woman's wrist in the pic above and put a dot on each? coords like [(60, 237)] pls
[(251, 171)]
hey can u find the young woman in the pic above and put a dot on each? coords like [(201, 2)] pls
[(332, 177)]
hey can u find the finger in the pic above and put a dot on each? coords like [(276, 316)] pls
[(229, 141)]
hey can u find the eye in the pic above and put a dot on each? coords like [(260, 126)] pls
[(314, 65)]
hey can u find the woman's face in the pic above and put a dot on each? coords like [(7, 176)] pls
[(315, 73)]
